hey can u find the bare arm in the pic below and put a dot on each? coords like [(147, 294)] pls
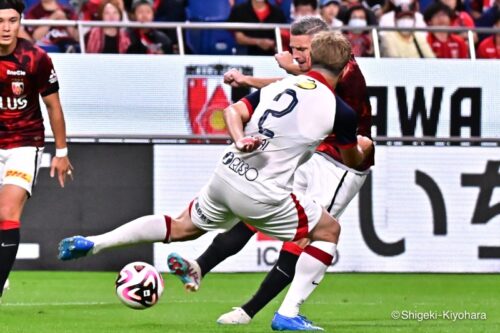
[(263, 43), (235, 117), (60, 164), (235, 78), (354, 156)]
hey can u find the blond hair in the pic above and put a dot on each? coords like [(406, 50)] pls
[(330, 50)]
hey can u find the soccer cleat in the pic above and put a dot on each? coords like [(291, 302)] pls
[(74, 247), (236, 317), (298, 323), (6, 285), (187, 270)]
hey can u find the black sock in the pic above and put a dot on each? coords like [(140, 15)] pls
[(276, 280), (9, 243), (223, 246)]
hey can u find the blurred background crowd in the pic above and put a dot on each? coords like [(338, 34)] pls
[(353, 14)]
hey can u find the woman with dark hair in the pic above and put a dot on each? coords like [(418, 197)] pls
[(109, 39), (460, 18)]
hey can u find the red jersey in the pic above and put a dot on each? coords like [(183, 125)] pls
[(352, 89), (25, 74), (488, 49), (453, 47)]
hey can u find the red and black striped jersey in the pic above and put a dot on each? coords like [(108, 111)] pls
[(352, 89), (25, 74)]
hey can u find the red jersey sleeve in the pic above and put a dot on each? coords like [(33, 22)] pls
[(352, 89), (46, 79)]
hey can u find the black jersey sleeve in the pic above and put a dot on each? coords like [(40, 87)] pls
[(345, 125)]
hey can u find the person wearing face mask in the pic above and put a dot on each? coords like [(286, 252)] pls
[(388, 19), (405, 44), (362, 45)]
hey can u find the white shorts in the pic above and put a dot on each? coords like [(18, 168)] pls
[(328, 184), (220, 206), (19, 166)]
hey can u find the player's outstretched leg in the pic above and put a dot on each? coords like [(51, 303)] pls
[(280, 276), (146, 229), (188, 271)]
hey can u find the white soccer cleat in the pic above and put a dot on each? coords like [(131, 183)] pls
[(236, 317), (6, 285)]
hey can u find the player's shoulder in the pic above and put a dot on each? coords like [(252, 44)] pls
[(27, 50)]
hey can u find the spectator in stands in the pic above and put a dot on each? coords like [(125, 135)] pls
[(171, 11), (108, 40), (329, 9), (490, 47), (303, 8), (444, 44), (147, 40), (460, 18), (405, 44), (487, 19), (376, 7), (53, 39), (388, 19), (258, 42), (362, 45)]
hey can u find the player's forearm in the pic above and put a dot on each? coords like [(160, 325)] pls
[(58, 126), (234, 123), (293, 69), (260, 82)]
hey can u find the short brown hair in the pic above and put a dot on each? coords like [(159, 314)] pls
[(308, 25), (330, 50)]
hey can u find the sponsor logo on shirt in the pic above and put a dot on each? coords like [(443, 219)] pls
[(10, 103), (16, 73), (52, 77), (240, 167)]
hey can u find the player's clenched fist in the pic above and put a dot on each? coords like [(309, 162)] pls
[(234, 78), (284, 59), (248, 144)]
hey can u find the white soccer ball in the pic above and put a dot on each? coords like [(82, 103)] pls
[(139, 285)]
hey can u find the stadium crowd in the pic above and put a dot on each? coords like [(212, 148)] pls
[(351, 13)]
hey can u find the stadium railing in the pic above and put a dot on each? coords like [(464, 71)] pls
[(224, 139), (181, 26)]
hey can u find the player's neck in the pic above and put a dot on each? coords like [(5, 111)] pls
[(8, 49), (330, 78)]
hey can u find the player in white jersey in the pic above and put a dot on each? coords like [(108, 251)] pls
[(274, 131)]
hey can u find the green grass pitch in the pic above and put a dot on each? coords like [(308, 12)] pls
[(78, 302)]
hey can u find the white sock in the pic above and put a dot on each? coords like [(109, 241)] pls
[(146, 229), (309, 272)]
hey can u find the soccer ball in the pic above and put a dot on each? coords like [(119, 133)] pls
[(139, 285)]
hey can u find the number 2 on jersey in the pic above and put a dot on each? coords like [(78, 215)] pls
[(277, 114)]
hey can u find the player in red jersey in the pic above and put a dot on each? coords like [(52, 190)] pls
[(26, 72), (324, 177)]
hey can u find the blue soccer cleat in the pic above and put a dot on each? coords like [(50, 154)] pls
[(298, 323), (188, 271), (74, 247)]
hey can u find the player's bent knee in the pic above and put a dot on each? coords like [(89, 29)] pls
[(328, 230)]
